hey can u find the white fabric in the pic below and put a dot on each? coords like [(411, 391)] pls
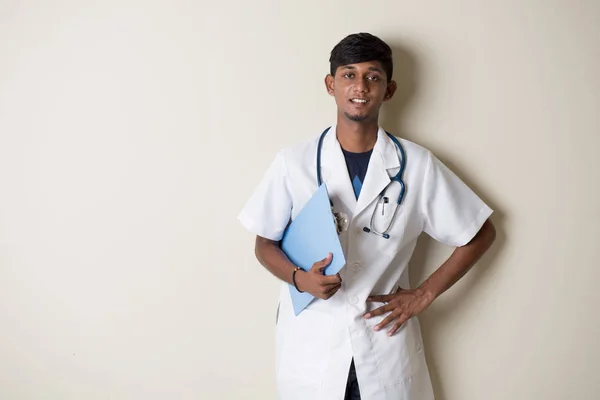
[(314, 349)]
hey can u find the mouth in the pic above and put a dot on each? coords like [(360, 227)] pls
[(359, 101)]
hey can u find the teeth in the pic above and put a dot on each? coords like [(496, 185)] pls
[(359, 100)]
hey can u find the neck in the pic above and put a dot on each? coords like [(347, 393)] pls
[(357, 137)]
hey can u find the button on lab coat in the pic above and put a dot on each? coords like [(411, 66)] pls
[(314, 349)]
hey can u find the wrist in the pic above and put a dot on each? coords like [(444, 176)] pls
[(426, 293), (297, 277)]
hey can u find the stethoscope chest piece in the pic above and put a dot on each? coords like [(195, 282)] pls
[(341, 221)]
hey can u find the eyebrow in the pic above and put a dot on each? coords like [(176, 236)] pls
[(374, 69)]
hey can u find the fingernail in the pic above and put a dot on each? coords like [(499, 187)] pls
[(367, 315), (376, 327)]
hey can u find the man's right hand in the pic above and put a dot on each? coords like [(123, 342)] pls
[(316, 283)]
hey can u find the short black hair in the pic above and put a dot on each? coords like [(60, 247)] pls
[(362, 47)]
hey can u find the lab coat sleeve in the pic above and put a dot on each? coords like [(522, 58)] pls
[(268, 210), (452, 212)]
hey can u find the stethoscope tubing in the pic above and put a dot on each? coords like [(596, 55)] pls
[(396, 178)]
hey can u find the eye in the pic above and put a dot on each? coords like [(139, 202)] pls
[(374, 78), (348, 75)]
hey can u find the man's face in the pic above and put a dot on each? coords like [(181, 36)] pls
[(360, 89)]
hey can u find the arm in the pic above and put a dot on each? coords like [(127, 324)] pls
[(270, 255), (459, 263), (408, 303)]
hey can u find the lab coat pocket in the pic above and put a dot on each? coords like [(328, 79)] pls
[(397, 225), (403, 355)]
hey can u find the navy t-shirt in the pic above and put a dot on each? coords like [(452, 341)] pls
[(357, 164)]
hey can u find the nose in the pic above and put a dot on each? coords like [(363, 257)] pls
[(361, 86)]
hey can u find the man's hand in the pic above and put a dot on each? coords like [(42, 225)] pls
[(316, 283), (401, 305)]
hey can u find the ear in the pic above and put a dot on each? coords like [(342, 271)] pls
[(390, 90), (329, 84)]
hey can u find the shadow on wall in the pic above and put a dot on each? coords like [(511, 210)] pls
[(406, 75)]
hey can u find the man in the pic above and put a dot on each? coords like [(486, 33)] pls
[(359, 339)]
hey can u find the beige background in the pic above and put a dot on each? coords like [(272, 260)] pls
[(125, 155)]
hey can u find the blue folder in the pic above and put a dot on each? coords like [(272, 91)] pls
[(309, 238)]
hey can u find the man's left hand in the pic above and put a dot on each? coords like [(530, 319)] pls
[(402, 305)]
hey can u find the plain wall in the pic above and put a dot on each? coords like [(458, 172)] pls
[(133, 132)]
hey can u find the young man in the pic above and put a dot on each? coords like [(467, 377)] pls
[(359, 339)]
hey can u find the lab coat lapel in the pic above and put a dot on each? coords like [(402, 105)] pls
[(383, 163), (335, 174)]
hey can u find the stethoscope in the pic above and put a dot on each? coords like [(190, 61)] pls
[(342, 219)]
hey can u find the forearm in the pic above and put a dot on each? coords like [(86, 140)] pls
[(459, 263), (270, 255), (313, 281)]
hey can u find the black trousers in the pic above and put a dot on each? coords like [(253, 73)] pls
[(352, 391)]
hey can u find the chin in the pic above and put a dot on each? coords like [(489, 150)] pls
[(357, 118)]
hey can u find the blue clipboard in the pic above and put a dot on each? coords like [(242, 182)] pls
[(309, 238)]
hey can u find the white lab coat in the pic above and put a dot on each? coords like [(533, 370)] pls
[(314, 349)]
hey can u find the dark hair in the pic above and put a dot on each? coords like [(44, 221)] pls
[(362, 47)]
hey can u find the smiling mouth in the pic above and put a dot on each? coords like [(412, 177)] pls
[(359, 101)]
